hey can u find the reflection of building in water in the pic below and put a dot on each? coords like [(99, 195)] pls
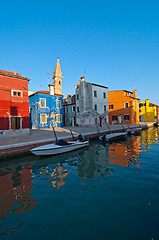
[(57, 176), (15, 185), (94, 162), (149, 137), (125, 153)]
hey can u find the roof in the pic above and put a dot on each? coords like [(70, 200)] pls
[(153, 105), (57, 70), (45, 92), (121, 91), (13, 75), (98, 85)]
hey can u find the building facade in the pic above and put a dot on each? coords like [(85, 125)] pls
[(14, 104), (69, 109), (148, 112), (91, 103), (123, 107), (46, 107)]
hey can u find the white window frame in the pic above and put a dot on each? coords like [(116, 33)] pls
[(45, 118), (57, 115), (58, 102), (125, 105), (44, 102), (17, 91)]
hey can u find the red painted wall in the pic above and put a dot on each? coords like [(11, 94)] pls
[(13, 105)]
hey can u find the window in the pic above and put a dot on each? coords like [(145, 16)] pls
[(111, 106), (67, 109), (104, 95), (42, 102), (59, 118), (95, 93), (15, 123), (59, 83), (77, 109), (105, 120), (114, 117), (77, 96), (43, 118), (126, 117), (16, 93), (73, 109), (96, 121), (58, 103), (105, 108), (126, 105), (95, 107)]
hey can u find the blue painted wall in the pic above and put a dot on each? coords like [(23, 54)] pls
[(50, 110)]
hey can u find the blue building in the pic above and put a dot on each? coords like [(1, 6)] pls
[(46, 107)]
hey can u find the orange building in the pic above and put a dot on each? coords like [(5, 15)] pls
[(123, 107)]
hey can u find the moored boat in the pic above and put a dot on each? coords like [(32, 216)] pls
[(60, 147), (112, 136), (134, 131)]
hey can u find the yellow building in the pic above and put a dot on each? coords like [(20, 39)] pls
[(148, 111)]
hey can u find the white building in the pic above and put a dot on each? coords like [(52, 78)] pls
[(91, 103)]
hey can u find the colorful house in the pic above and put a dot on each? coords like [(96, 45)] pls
[(123, 107), (46, 107), (14, 104), (148, 112)]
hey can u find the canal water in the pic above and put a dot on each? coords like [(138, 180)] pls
[(107, 191)]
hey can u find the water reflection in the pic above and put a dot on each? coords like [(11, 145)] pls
[(126, 153), (149, 137), (15, 185), (96, 162)]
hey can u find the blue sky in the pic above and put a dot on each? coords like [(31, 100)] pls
[(117, 42)]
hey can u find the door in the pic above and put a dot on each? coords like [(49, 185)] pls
[(15, 123)]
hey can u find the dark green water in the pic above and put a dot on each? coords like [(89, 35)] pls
[(104, 192)]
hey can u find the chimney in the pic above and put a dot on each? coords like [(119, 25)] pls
[(51, 89), (82, 79), (134, 93)]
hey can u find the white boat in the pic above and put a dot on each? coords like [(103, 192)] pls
[(59, 147), (113, 136), (133, 131)]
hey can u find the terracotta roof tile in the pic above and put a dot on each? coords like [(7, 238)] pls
[(13, 74)]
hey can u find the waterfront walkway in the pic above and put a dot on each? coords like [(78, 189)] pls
[(20, 144)]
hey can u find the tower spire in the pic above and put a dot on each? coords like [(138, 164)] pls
[(57, 78)]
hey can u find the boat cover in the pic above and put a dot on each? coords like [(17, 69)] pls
[(62, 142)]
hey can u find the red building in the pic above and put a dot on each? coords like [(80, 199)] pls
[(14, 104)]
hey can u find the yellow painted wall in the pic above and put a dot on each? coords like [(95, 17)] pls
[(148, 113)]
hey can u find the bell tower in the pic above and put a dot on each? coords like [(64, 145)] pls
[(57, 79)]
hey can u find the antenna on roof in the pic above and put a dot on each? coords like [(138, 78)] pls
[(48, 78), (84, 72), (134, 83)]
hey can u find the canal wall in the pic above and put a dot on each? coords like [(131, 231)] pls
[(10, 146)]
